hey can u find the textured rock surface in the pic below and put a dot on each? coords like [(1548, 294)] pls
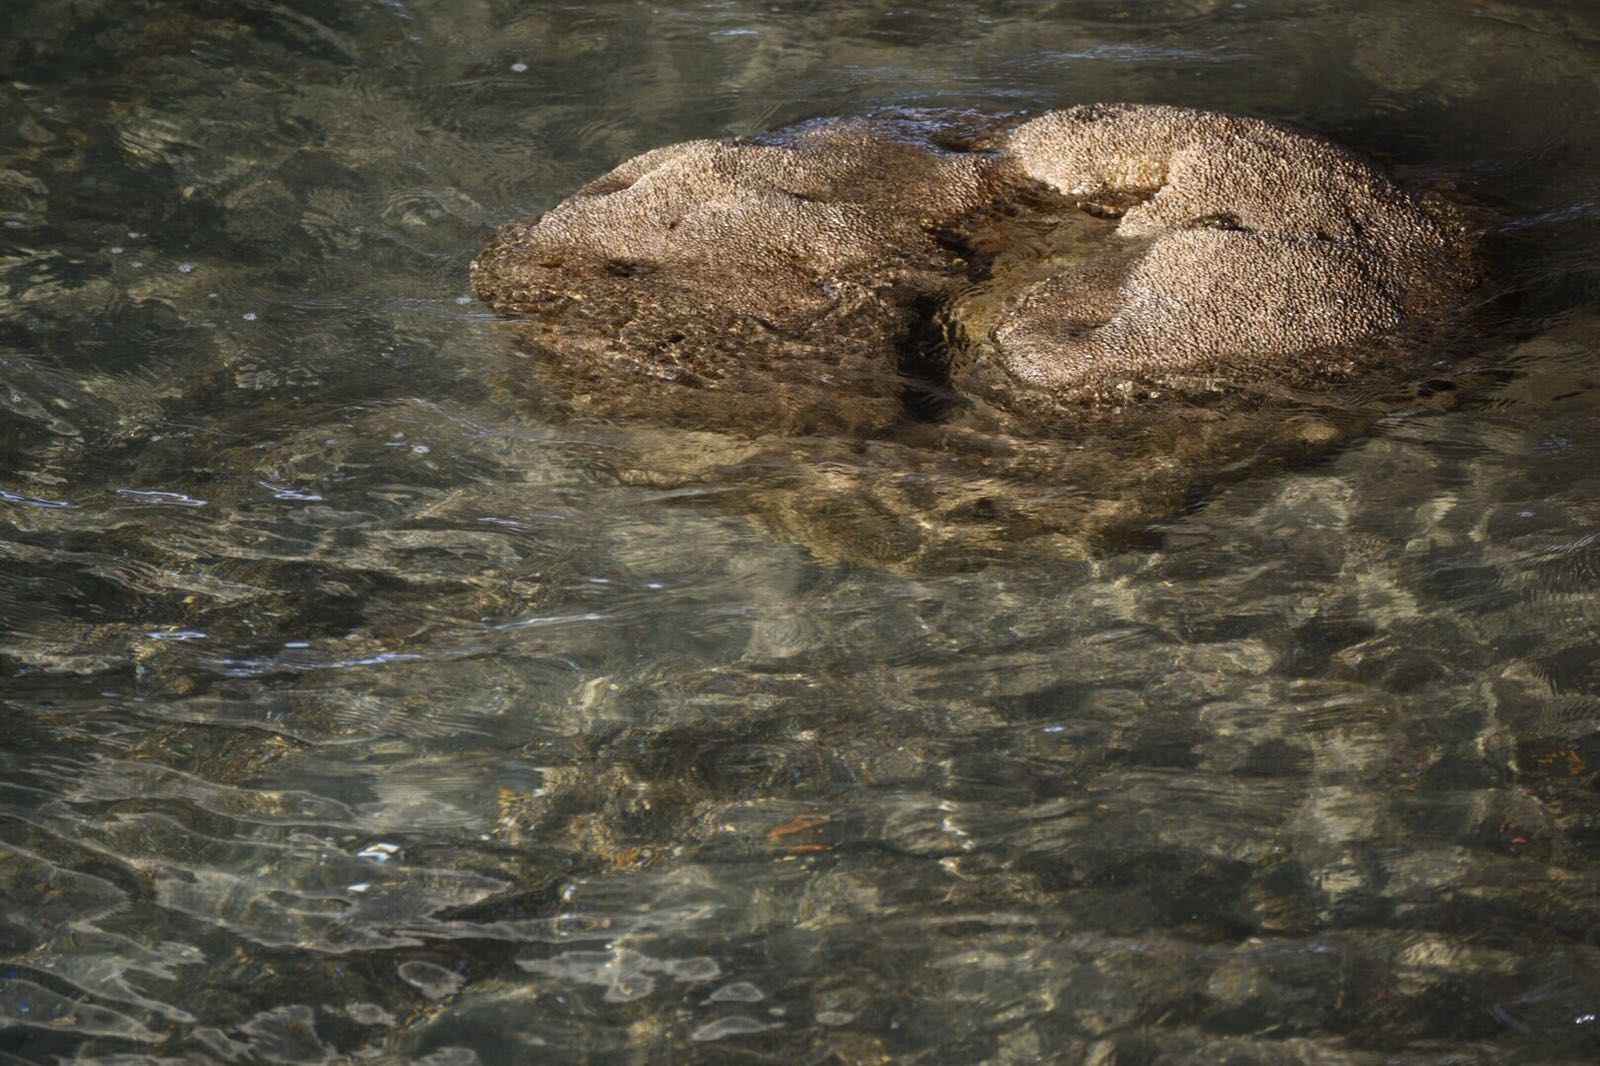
[(1251, 244), (770, 282), (798, 272)]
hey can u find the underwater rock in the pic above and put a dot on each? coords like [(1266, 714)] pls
[(1243, 249), (765, 282), (1122, 300), (798, 267)]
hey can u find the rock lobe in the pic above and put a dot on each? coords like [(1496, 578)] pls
[(1264, 244), (767, 281)]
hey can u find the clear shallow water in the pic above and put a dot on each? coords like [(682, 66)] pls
[(354, 709)]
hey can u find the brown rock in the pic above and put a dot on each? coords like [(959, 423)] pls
[(769, 283), (947, 333), (1250, 249)]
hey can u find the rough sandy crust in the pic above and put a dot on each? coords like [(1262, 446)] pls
[(1264, 243)]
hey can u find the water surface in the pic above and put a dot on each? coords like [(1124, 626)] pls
[(354, 707)]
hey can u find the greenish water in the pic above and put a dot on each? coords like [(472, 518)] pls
[(354, 707)]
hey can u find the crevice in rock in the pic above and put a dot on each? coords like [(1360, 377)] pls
[(628, 268), (923, 362), (1223, 220)]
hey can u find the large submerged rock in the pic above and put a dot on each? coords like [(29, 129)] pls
[(901, 320)]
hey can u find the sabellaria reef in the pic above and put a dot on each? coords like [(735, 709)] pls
[(912, 337)]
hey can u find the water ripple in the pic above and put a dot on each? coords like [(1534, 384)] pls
[(362, 702)]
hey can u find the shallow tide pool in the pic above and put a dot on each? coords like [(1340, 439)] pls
[(355, 705)]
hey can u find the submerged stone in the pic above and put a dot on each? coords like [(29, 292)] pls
[(1250, 249), (899, 320), (766, 283)]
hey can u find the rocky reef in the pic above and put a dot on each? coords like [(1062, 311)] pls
[(897, 320)]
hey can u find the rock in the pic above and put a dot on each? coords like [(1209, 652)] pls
[(1123, 300), (1246, 249), (768, 282)]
